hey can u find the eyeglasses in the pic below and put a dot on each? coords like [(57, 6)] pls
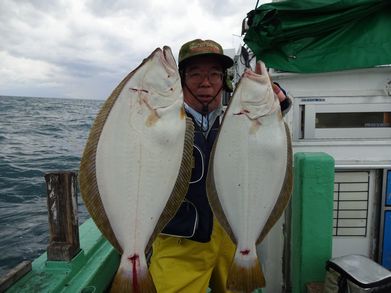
[(213, 76)]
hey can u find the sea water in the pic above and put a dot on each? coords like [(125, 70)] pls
[(37, 136)]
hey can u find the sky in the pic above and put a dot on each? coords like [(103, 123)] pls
[(84, 48)]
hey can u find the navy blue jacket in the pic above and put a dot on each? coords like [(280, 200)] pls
[(194, 220)]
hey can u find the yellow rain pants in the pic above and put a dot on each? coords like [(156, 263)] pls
[(182, 265)]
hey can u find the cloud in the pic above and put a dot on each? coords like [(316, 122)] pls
[(19, 70), (227, 8), (83, 48)]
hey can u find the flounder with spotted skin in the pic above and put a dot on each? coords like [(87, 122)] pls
[(250, 173), (136, 164)]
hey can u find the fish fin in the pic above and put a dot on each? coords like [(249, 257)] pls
[(214, 200), (285, 193), (181, 185), (123, 282), (87, 176), (245, 276)]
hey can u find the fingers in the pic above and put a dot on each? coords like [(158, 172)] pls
[(258, 68), (280, 94)]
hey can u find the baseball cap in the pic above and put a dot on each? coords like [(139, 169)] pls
[(200, 47)]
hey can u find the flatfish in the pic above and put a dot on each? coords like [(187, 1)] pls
[(250, 174), (136, 164)]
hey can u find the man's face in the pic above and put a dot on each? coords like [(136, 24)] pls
[(204, 78)]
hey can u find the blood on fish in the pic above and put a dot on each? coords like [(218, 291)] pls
[(245, 252), (134, 259), (138, 90), (243, 111)]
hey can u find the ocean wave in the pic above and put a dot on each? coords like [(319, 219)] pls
[(37, 136)]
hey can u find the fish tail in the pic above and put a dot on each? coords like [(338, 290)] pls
[(131, 282), (245, 274)]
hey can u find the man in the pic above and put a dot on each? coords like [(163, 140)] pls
[(194, 252)]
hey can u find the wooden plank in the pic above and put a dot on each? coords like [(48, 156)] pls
[(63, 220), (14, 275)]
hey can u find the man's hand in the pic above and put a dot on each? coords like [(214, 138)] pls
[(280, 94), (277, 90)]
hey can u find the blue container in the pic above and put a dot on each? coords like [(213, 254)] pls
[(386, 257)]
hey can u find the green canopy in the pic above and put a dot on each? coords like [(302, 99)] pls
[(321, 35)]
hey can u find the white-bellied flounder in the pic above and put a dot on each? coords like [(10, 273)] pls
[(250, 174), (136, 165)]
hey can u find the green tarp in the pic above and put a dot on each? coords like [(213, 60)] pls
[(321, 35)]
